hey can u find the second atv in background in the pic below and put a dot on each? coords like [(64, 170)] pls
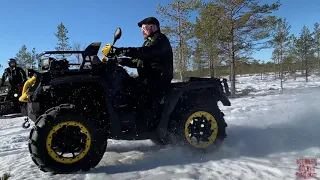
[(9, 101)]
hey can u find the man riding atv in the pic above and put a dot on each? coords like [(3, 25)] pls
[(154, 63), (17, 77)]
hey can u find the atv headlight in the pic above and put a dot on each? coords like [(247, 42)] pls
[(45, 62), (15, 95)]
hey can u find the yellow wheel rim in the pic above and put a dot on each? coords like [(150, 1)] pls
[(68, 160), (214, 129)]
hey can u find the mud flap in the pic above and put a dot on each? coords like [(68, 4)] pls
[(225, 124)]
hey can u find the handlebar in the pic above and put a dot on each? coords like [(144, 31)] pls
[(112, 57)]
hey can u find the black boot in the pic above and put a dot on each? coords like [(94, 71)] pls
[(146, 122), (141, 123)]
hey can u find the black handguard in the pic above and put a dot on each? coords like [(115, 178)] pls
[(113, 60), (120, 51)]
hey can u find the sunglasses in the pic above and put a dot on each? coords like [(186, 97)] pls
[(146, 27)]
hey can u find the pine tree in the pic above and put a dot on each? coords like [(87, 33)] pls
[(63, 39), (246, 24), (199, 64), (179, 30), (280, 42), (207, 31), (24, 58), (305, 49), (34, 58), (317, 43)]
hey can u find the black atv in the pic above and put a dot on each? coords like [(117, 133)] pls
[(76, 110), (9, 101)]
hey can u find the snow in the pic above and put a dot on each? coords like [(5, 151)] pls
[(267, 83), (268, 131)]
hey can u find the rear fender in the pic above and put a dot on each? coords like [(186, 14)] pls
[(215, 85), (177, 92)]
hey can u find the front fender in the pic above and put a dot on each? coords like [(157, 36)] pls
[(105, 86), (75, 78)]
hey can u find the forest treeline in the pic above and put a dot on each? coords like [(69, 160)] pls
[(217, 38)]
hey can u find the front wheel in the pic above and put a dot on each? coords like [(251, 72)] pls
[(65, 141)]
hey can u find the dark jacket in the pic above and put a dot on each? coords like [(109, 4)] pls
[(16, 76), (153, 60)]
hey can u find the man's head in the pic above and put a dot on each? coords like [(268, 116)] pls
[(148, 26), (12, 62)]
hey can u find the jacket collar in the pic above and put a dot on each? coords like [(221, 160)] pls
[(154, 33)]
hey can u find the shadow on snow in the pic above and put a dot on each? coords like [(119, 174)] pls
[(300, 134)]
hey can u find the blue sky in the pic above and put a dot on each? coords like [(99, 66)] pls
[(34, 22)]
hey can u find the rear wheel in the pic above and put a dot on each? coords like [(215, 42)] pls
[(200, 127), (64, 141)]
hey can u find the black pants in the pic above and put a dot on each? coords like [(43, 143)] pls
[(146, 96)]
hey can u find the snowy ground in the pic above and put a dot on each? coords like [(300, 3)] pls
[(266, 135), (268, 84)]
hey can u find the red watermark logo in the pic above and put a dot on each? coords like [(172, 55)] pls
[(306, 168)]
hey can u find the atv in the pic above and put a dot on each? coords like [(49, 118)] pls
[(9, 101), (77, 110)]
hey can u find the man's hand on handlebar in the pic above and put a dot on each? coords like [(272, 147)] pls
[(115, 60), (118, 51), (114, 51), (114, 56), (119, 60)]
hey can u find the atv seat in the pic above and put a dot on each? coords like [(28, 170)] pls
[(189, 80), (189, 84), (195, 83)]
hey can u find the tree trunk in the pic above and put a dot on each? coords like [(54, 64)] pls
[(181, 76), (274, 69), (318, 58), (211, 69), (215, 65), (180, 56), (306, 68), (212, 66), (233, 76), (278, 64), (230, 69), (233, 64), (261, 71), (281, 70)]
